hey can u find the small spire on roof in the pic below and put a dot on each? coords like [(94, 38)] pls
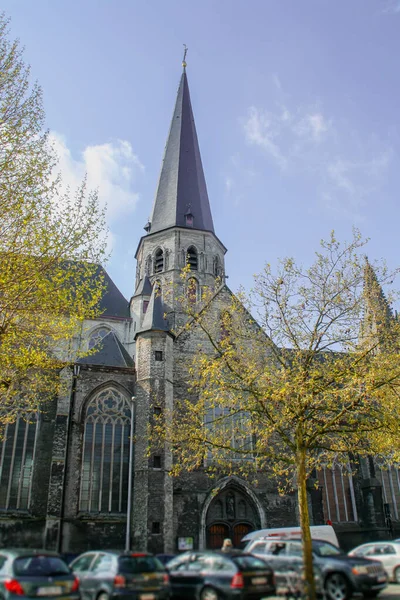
[(184, 64)]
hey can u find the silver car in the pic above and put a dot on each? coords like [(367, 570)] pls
[(388, 553)]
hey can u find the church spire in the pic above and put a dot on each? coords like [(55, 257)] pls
[(181, 199)]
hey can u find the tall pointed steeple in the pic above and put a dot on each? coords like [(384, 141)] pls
[(181, 199)]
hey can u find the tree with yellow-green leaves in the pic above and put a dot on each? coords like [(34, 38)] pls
[(303, 369), (50, 244)]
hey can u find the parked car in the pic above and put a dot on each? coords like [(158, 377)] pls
[(342, 575), (36, 573), (120, 575), (212, 575), (388, 553)]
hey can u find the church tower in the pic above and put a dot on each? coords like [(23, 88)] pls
[(180, 231)]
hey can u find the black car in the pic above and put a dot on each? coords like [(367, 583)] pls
[(212, 575), (36, 574), (116, 575), (342, 575)]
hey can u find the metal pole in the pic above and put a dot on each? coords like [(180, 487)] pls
[(76, 369), (129, 507)]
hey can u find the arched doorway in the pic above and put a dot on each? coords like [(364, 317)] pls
[(231, 514)]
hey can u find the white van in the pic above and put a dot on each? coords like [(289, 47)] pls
[(318, 532)]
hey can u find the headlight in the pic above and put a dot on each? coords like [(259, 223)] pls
[(360, 570)]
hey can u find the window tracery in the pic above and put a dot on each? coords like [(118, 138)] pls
[(104, 479), (17, 460), (97, 336)]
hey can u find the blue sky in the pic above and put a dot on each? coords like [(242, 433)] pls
[(296, 105)]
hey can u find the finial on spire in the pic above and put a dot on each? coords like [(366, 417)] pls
[(184, 56)]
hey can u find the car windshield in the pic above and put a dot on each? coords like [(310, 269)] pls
[(139, 564), (247, 562), (325, 549), (37, 566)]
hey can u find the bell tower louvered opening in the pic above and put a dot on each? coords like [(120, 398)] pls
[(192, 258)]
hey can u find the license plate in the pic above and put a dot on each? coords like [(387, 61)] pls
[(49, 591), (381, 578), (147, 596), (259, 580)]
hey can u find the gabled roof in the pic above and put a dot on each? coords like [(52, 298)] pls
[(154, 319), (113, 303), (182, 189), (111, 353), (144, 288)]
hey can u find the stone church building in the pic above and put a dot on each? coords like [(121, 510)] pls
[(64, 473)]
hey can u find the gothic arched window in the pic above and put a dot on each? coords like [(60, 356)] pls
[(104, 483), (159, 261), (192, 259), (216, 266), (97, 336), (16, 466), (192, 290)]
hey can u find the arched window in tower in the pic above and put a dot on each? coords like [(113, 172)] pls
[(159, 261), (97, 336), (192, 258), (17, 458), (104, 479), (192, 290), (216, 268)]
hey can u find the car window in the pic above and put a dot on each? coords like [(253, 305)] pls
[(325, 549), (102, 563), (82, 563), (139, 564), (258, 547), (200, 562), (248, 562), (179, 562), (223, 564), (40, 566), (295, 549), (384, 549), (277, 548), (3, 560), (364, 550)]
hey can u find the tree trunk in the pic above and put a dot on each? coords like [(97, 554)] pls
[(305, 525)]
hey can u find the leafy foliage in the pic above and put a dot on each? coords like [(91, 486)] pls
[(50, 242), (316, 374)]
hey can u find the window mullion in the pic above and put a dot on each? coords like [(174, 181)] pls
[(111, 468), (92, 465), (12, 462), (121, 468), (21, 473), (102, 465)]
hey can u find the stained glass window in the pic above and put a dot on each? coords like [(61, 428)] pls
[(104, 481)]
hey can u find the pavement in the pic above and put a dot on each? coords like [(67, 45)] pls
[(392, 592)]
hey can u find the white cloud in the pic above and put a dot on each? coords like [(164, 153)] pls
[(112, 168), (263, 129), (346, 167), (312, 126), (392, 6)]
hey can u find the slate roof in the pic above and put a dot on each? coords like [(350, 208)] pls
[(144, 288), (182, 187), (111, 353), (113, 303), (154, 318)]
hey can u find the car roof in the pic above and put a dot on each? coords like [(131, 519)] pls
[(132, 553), (29, 552)]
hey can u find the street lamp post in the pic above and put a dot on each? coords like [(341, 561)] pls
[(130, 473)]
